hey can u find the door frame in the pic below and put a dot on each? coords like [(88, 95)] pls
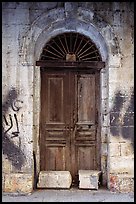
[(92, 67)]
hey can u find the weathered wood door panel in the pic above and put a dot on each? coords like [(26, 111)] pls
[(84, 142), (68, 121), (54, 142)]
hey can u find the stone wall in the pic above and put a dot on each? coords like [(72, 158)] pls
[(26, 27)]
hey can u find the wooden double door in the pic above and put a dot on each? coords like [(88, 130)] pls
[(69, 138)]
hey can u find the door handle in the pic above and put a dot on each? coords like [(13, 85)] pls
[(67, 127), (74, 127)]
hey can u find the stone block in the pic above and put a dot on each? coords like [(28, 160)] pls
[(122, 164), (122, 183), (104, 150), (3, 182), (89, 179), (16, 16), (114, 149), (18, 183), (113, 74), (126, 183), (127, 149), (54, 179), (114, 61)]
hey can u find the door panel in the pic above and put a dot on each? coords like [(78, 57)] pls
[(83, 153), (84, 140), (54, 142), (68, 121), (86, 98), (53, 153)]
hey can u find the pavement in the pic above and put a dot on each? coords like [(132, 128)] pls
[(69, 195)]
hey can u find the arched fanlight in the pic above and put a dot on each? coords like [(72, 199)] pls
[(70, 47)]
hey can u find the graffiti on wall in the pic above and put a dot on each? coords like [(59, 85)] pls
[(122, 116), (13, 119), (10, 122)]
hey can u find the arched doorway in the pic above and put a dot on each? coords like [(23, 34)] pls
[(70, 104)]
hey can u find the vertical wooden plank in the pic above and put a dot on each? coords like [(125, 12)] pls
[(86, 157), (56, 158), (55, 120), (86, 98), (85, 128), (55, 99), (97, 120), (72, 84)]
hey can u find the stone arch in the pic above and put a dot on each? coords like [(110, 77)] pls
[(56, 21), (86, 22), (83, 29)]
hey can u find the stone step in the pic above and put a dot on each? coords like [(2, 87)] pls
[(88, 179), (54, 179)]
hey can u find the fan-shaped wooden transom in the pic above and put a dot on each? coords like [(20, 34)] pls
[(70, 47)]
